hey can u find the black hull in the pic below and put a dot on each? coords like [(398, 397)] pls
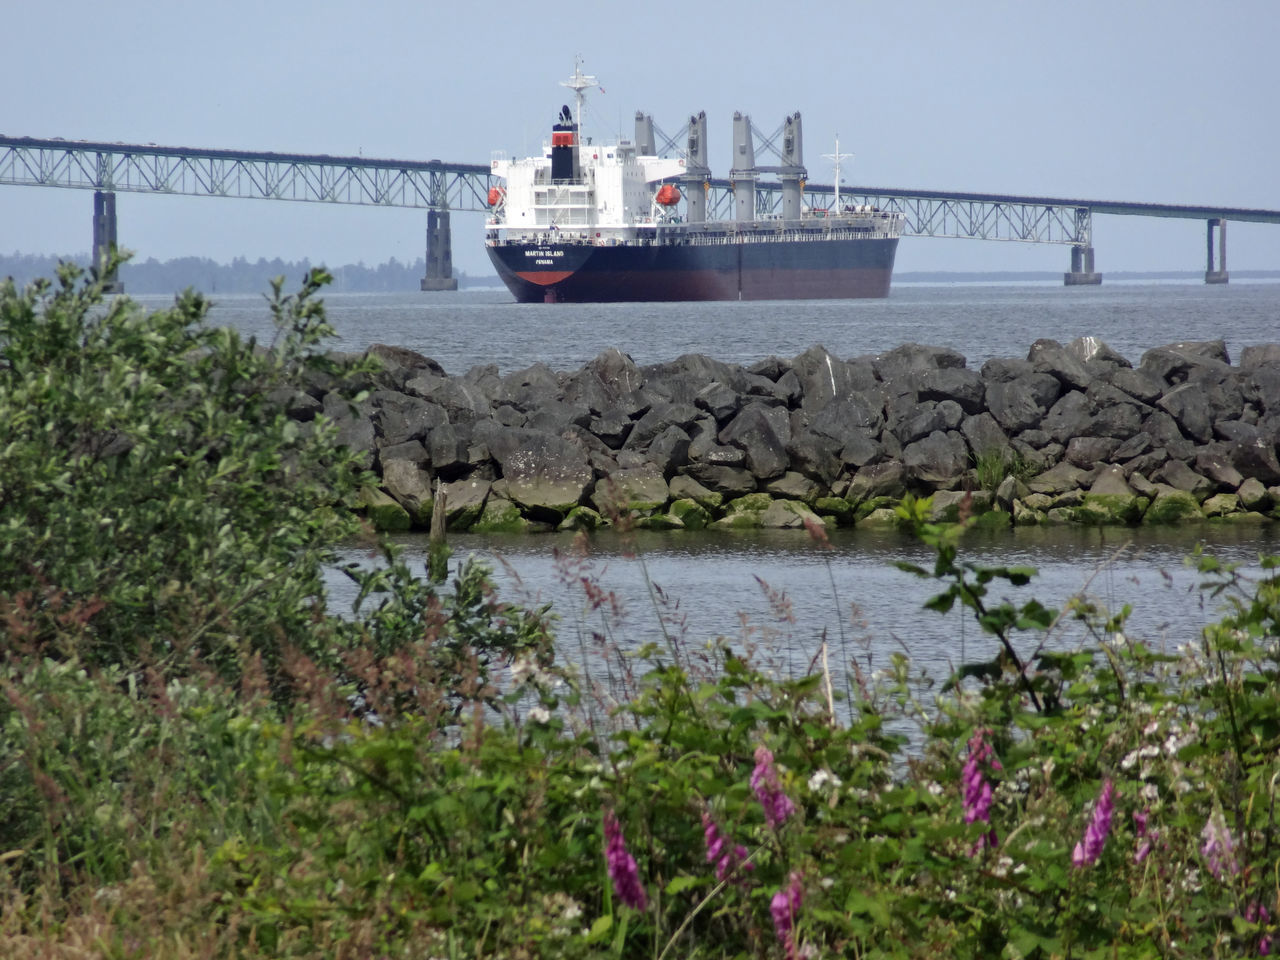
[(768, 270)]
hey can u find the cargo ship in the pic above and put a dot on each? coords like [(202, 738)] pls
[(615, 222)]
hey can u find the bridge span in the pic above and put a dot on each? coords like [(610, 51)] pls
[(440, 187)]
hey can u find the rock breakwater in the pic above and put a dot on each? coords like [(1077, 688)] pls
[(1069, 434)]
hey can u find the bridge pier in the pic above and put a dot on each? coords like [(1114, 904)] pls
[(439, 253), (1082, 273), (1218, 274), (104, 239)]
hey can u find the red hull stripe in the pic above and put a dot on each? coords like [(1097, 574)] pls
[(544, 277)]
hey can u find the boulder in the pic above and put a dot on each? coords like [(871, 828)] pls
[(464, 502), (913, 358), (669, 450), (886, 479), (837, 418), (1111, 481), (545, 474), (823, 378), (503, 516), (383, 512), (1221, 505), (461, 400), (527, 388), (410, 486), (691, 514), (1139, 384), (1253, 495), (1181, 477), (729, 480), (815, 456), (956, 384), (984, 435), (761, 432), (687, 488), (641, 490), (1070, 417), (1013, 404), (1051, 357), (1057, 479), (788, 515), (938, 461), (1084, 452), (1172, 506)]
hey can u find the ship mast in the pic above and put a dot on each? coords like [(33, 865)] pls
[(579, 82), (837, 157)]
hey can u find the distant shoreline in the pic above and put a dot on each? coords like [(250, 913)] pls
[(244, 276)]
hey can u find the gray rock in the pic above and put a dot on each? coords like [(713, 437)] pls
[(1004, 369), (1110, 481), (641, 489), (1258, 460), (861, 449), (1189, 407), (1013, 404), (955, 384), (1260, 355), (545, 474), (983, 434), (761, 432), (529, 387), (1180, 362), (718, 400), (661, 415), (669, 450), (1214, 462), (793, 486), (413, 451), (1091, 349), (823, 377), (877, 480), (731, 481), (1084, 452), (1253, 495), (1059, 478), (915, 358), (1119, 420), (815, 456), (1139, 384), (448, 451), (938, 461), (460, 399), (410, 486), (1070, 417), (555, 416), (1181, 477), (1051, 357), (399, 365), (838, 417), (1139, 443)]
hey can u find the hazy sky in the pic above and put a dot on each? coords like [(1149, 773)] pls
[(1170, 102)]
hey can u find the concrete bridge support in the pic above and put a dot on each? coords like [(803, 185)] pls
[(439, 253), (104, 238), (1082, 273), (1218, 274)]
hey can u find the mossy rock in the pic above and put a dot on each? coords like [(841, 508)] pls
[(1111, 509), (787, 515), (1221, 505), (691, 514), (839, 509), (947, 505), (687, 488), (1026, 516), (1173, 506), (659, 521), (502, 516), (993, 520), (581, 518), (1060, 515), (882, 516), (743, 520), (1246, 517), (867, 507), (383, 512), (751, 502)]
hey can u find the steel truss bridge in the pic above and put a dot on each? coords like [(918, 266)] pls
[(440, 187)]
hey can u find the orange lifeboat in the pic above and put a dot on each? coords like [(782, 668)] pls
[(668, 195), (495, 195)]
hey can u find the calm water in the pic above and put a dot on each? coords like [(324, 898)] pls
[(470, 327), (709, 580)]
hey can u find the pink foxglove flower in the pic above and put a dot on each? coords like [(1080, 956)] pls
[(622, 866), (1089, 849), (978, 792), (764, 781), (726, 858), (784, 906), (1146, 836), (1218, 849), (1257, 913)]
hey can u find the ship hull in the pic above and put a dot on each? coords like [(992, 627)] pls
[(855, 268)]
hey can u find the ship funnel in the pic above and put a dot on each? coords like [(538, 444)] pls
[(645, 145), (564, 149), (743, 173), (792, 172), (696, 171)]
